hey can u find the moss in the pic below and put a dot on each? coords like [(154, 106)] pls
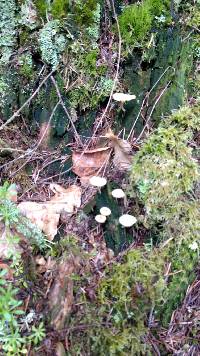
[(177, 56), (90, 61), (163, 173), (26, 65), (24, 37), (156, 7), (84, 12), (42, 7), (136, 20), (60, 8), (85, 96), (163, 169)]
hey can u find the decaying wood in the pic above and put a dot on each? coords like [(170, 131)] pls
[(61, 297)]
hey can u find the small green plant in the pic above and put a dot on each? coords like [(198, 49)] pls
[(10, 338), (60, 9), (11, 217), (37, 334)]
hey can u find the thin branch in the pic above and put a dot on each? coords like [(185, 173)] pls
[(32, 151), (152, 110), (26, 102), (117, 70), (65, 110), (146, 96), (8, 149)]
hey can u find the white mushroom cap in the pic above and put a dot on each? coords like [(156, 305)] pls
[(105, 211), (127, 220), (97, 181), (118, 193), (194, 246), (123, 97), (101, 219)]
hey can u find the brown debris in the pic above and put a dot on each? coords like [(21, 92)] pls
[(122, 152), (184, 321), (60, 297), (89, 163)]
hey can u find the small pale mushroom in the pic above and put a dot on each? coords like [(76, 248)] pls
[(105, 211), (101, 219), (118, 193), (97, 181), (127, 220), (193, 246), (122, 98)]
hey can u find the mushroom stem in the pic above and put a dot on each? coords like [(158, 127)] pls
[(122, 106)]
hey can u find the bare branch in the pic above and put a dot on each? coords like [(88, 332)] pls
[(152, 110), (32, 151), (65, 110)]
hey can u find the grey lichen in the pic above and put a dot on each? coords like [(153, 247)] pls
[(52, 43), (7, 29), (28, 16), (3, 90), (93, 31)]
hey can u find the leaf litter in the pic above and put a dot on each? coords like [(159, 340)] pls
[(122, 151), (47, 215), (57, 273)]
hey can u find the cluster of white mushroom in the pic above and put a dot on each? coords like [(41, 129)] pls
[(125, 220)]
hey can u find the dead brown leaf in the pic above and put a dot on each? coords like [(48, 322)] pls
[(71, 195), (46, 215), (42, 215), (88, 163), (122, 151)]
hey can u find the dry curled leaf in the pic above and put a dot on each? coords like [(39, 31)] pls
[(122, 151), (46, 215), (88, 163), (42, 215), (71, 195)]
